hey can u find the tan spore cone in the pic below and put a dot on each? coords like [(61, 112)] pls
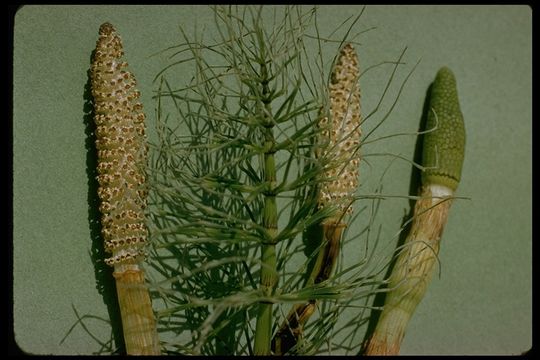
[(121, 145), (340, 134)]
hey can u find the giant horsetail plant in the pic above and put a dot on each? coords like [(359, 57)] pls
[(122, 156), (442, 157), (338, 143), (258, 137), (250, 191)]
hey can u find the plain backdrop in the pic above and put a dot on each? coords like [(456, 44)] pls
[(479, 303)]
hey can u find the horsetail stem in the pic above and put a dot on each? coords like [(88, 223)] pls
[(339, 147), (122, 156), (269, 277), (443, 154)]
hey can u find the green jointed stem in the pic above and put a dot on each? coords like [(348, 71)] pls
[(443, 155), (444, 148), (263, 330)]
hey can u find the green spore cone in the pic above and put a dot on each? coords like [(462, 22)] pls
[(444, 147)]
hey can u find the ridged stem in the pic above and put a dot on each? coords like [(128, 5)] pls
[(413, 270), (136, 309), (268, 281)]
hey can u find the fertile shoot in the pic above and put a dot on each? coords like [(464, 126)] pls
[(122, 154), (338, 149), (443, 154)]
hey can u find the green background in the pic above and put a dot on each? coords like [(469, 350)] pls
[(482, 301)]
